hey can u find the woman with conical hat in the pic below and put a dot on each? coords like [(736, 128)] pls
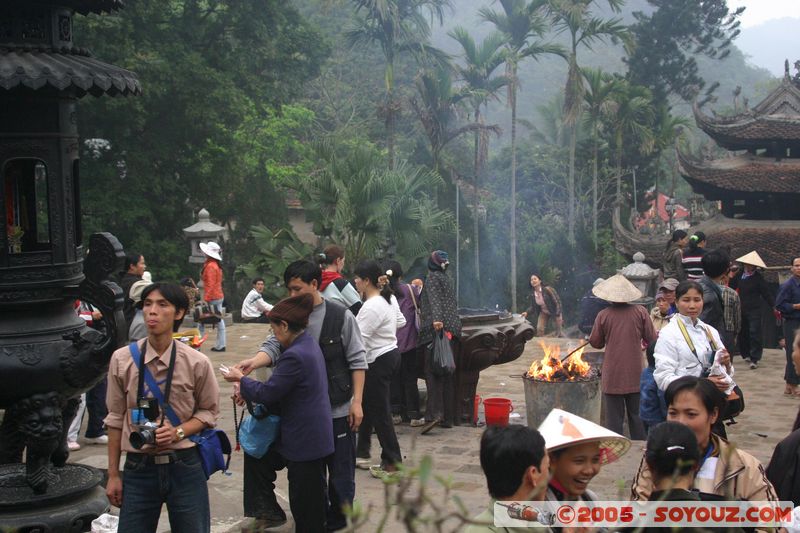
[(621, 329), (578, 448), (753, 293)]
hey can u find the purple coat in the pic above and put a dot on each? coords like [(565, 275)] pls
[(407, 335), (300, 383)]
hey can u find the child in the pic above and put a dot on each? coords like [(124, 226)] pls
[(652, 406)]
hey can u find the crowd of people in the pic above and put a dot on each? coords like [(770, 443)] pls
[(345, 358)]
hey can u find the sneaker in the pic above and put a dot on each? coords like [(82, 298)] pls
[(73, 446), (364, 463), (428, 426), (397, 419), (746, 359), (382, 473), (753, 365), (215, 349), (417, 422), (102, 439)]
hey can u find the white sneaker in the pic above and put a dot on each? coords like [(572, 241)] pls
[(417, 422), (73, 446), (364, 463), (102, 439), (753, 365)]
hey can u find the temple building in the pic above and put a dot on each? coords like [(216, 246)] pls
[(757, 187)]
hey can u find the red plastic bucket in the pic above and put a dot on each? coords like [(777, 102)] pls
[(497, 411)]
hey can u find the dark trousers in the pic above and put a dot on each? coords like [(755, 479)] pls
[(615, 406), (306, 490), (750, 337), (441, 394), (405, 393), (259, 486), (378, 411), (96, 405), (790, 326), (307, 495), (341, 473), (181, 485)]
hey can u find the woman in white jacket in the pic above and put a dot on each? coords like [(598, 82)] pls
[(687, 346)]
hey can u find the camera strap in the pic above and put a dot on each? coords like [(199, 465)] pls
[(688, 339), (152, 384)]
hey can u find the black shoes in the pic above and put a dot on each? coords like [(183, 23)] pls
[(215, 349)]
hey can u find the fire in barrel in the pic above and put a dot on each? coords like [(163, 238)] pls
[(572, 385)]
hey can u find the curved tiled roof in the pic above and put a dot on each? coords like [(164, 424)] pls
[(775, 119), (38, 67), (773, 239), (743, 173)]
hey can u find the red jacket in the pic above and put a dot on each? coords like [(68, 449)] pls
[(212, 280)]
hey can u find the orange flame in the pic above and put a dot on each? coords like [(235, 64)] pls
[(550, 368)]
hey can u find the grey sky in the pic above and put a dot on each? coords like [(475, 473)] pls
[(759, 11)]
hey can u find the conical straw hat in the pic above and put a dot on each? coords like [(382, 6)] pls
[(562, 429), (617, 289), (752, 259)]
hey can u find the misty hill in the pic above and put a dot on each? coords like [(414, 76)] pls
[(542, 81), (768, 44)]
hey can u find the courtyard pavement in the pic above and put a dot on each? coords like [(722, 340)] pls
[(454, 452)]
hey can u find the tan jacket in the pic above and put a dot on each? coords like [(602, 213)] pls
[(659, 320), (738, 476)]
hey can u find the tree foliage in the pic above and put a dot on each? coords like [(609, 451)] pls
[(209, 129), (667, 41)]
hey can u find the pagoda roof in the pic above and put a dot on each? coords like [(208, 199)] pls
[(771, 238), (775, 120), (64, 69), (744, 174), (83, 7)]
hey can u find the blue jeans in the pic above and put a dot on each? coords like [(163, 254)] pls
[(220, 326), (181, 485), (341, 473)]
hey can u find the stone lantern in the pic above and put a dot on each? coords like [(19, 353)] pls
[(49, 356), (201, 231), (644, 277)]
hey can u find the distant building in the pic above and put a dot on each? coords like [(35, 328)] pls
[(758, 188)]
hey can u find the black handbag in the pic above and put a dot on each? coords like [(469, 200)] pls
[(205, 313)]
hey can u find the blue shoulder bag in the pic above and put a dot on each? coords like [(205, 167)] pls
[(212, 443)]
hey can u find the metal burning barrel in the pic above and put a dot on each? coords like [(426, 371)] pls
[(549, 385), (578, 397)]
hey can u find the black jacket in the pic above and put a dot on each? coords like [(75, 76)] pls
[(784, 468), (752, 291)]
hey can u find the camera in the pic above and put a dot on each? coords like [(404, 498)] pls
[(143, 427)]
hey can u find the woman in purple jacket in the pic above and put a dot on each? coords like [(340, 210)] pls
[(404, 390), (299, 383)]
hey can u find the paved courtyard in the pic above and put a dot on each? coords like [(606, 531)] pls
[(454, 452)]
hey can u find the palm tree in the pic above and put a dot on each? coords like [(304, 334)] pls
[(630, 116), (477, 72), (600, 88), (575, 18), (667, 129), (355, 200), (398, 27), (436, 106), (520, 23)]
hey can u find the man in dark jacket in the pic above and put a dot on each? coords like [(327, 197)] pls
[(721, 307), (590, 306), (753, 290)]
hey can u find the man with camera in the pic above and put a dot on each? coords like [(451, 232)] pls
[(161, 465)]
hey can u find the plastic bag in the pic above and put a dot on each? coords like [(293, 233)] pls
[(258, 431), (105, 523), (442, 362)]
